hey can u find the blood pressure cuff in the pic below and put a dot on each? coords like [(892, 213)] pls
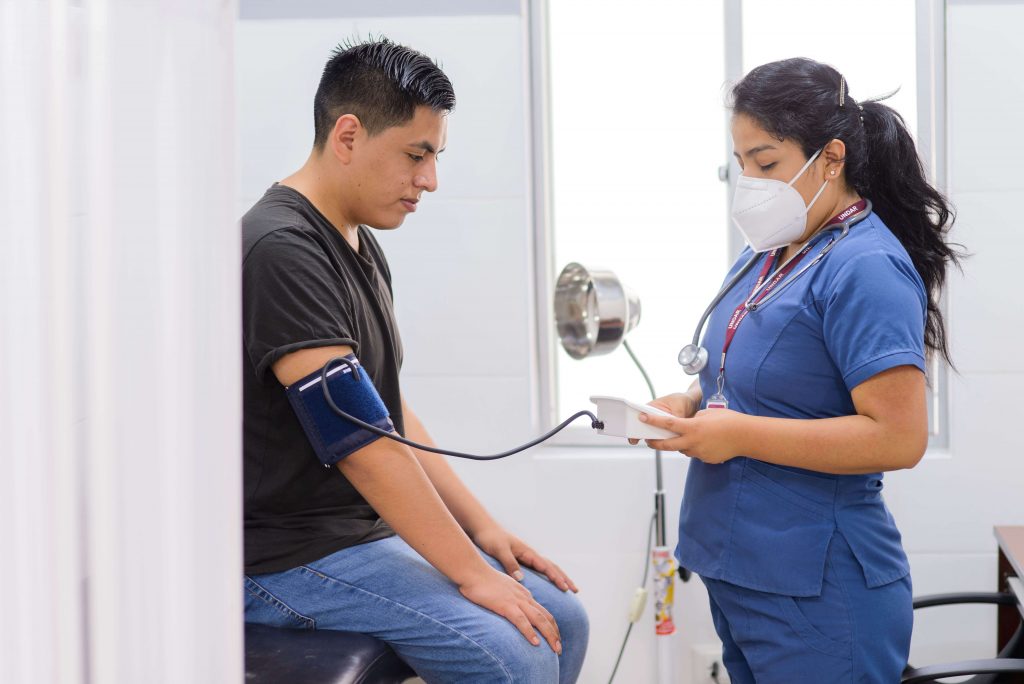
[(333, 436)]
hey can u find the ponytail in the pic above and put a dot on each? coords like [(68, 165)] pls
[(805, 101), (916, 213)]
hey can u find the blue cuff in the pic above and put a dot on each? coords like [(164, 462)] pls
[(332, 436)]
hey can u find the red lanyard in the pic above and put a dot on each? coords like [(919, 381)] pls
[(741, 311), (855, 208)]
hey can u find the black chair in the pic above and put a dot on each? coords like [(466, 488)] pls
[(307, 656), (1006, 667)]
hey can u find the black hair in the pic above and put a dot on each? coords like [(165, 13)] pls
[(809, 103), (381, 83)]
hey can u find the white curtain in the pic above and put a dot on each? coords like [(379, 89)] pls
[(120, 448)]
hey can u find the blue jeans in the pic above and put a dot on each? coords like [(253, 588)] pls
[(389, 591), (850, 633)]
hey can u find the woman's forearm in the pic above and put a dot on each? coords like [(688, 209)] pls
[(845, 445)]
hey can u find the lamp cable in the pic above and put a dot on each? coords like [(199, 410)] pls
[(643, 583)]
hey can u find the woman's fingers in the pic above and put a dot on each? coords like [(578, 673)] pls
[(673, 424)]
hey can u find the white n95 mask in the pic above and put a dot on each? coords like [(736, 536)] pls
[(771, 213)]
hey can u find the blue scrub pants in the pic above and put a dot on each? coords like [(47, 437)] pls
[(849, 633)]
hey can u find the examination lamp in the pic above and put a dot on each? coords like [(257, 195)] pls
[(593, 311), (593, 314)]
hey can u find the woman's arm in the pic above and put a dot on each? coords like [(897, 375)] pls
[(889, 432)]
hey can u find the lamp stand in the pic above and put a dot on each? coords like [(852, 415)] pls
[(662, 560)]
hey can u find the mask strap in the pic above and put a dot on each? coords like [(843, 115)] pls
[(804, 168), (818, 194)]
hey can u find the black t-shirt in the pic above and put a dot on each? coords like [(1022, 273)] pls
[(304, 286)]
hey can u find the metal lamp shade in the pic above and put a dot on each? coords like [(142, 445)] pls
[(593, 311)]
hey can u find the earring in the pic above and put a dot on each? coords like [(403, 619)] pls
[(833, 172)]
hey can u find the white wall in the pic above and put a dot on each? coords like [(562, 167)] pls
[(120, 504), (946, 507), (464, 295)]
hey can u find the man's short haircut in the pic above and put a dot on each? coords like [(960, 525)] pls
[(380, 82)]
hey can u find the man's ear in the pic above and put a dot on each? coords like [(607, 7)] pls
[(343, 137)]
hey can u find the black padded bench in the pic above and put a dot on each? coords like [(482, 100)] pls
[(307, 656)]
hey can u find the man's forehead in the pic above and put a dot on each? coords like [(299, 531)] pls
[(427, 131)]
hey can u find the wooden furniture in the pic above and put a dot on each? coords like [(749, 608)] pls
[(1011, 575)]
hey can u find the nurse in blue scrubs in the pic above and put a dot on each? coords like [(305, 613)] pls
[(822, 388)]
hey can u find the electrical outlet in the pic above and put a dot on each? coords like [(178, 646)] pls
[(707, 665)]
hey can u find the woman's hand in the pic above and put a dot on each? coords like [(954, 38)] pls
[(711, 435), (680, 404)]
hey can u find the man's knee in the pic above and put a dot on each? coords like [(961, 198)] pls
[(504, 655), (524, 662), (571, 618)]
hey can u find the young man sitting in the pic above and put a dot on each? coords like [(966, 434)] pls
[(385, 540)]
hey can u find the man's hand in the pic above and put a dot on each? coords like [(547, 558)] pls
[(501, 594), (712, 435), (510, 551)]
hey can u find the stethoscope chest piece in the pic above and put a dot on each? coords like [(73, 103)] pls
[(693, 359)]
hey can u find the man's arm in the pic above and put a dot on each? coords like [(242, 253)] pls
[(390, 478), (472, 516)]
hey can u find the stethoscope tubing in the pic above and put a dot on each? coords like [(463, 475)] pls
[(751, 305)]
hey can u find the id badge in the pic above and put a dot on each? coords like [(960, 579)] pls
[(717, 400)]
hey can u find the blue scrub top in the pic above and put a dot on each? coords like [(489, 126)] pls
[(857, 312)]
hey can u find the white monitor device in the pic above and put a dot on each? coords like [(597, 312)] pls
[(621, 418)]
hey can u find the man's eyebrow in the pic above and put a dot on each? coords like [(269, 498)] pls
[(426, 147)]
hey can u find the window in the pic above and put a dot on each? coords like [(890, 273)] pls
[(636, 105), (638, 131), (836, 33)]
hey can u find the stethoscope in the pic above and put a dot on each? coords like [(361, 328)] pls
[(693, 357)]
